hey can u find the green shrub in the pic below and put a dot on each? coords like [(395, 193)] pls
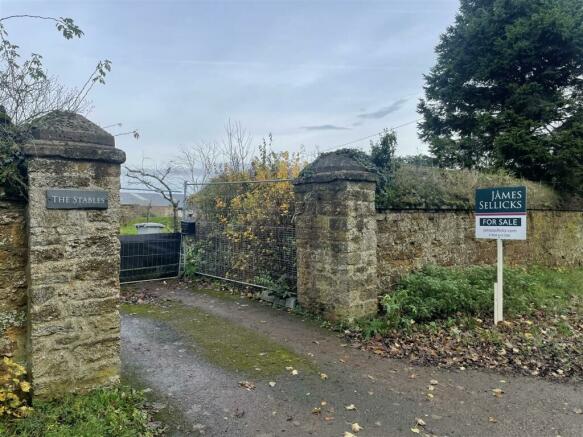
[(420, 186), (369, 328), (279, 287), (105, 412), (194, 254), (437, 293)]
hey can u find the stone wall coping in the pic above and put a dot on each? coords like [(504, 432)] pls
[(73, 151), (336, 166), (383, 212), (70, 126), (355, 176)]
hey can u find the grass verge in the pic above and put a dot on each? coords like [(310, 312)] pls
[(443, 316), (130, 228), (111, 412)]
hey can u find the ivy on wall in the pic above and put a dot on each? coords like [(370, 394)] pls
[(12, 168)]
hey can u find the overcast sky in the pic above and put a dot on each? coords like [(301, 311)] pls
[(317, 73)]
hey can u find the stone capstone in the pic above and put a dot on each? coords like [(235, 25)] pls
[(65, 126), (73, 338), (336, 239)]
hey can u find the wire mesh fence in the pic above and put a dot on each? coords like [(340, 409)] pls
[(149, 256), (244, 233)]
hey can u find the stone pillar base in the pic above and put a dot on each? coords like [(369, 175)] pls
[(336, 238), (73, 334)]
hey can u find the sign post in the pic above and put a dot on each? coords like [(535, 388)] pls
[(500, 215)]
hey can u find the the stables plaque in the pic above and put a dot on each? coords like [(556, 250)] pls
[(76, 199)]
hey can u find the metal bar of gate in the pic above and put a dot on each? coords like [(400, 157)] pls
[(149, 256)]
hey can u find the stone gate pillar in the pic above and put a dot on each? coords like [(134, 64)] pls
[(336, 238), (73, 333)]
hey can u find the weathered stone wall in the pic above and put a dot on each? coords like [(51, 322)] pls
[(73, 325), (408, 240), (336, 248), (74, 329), (12, 280), (336, 231)]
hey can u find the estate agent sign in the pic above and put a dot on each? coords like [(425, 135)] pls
[(76, 199), (501, 213)]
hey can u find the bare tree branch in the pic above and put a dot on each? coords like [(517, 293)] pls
[(158, 180), (27, 92), (237, 147), (200, 161)]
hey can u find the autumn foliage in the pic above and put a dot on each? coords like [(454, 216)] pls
[(246, 228), (14, 389)]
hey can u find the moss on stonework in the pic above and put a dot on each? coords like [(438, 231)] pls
[(13, 318), (226, 344), (223, 295)]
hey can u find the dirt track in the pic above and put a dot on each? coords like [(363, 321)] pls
[(202, 395)]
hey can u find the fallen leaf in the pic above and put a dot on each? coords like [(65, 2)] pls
[(420, 421), (415, 430), (271, 383), (356, 427), (429, 396), (434, 382), (348, 434), (350, 407), (316, 410), (294, 372), (492, 419), (247, 385), (497, 392), (289, 368), (323, 376)]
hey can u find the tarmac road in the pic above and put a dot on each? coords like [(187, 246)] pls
[(200, 396)]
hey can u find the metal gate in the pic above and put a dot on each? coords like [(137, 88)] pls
[(149, 256), (244, 233)]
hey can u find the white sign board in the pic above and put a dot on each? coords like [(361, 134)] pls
[(501, 213)]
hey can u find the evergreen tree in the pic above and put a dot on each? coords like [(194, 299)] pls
[(507, 90)]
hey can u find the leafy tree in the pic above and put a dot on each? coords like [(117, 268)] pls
[(507, 90), (244, 226), (419, 160), (28, 92), (382, 152), (382, 156)]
